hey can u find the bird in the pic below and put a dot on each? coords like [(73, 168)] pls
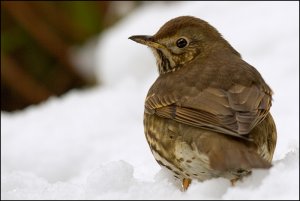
[(207, 115)]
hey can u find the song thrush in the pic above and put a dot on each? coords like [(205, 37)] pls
[(207, 114)]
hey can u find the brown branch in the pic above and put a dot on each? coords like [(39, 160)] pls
[(21, 82), (23, 13), (58, 18)]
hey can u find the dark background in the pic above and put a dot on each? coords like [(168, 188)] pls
[(36, 37)]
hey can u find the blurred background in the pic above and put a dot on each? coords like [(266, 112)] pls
[(37, 38)]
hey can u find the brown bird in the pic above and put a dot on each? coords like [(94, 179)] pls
[(207, 114)]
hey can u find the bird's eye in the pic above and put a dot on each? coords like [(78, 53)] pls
[(181, 43)]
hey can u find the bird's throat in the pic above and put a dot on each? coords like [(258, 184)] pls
[(164, 62)]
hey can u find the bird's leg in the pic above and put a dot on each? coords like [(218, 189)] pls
[(233, 181), (186, 183)]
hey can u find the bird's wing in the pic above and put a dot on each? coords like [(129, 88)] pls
[(234, 112)]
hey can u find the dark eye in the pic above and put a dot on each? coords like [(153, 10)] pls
[(181, 43)]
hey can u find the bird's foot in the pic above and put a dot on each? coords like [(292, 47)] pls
[(186, 183), (233, 181)]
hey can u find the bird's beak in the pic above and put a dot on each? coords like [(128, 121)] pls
[(146, 40)]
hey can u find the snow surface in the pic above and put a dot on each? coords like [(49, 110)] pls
[(90, 144)]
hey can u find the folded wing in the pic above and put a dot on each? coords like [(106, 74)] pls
[(234, 112)]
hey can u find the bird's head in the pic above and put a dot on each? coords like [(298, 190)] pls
[(180, 40)]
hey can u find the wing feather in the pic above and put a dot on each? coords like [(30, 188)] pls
[(234, 112)]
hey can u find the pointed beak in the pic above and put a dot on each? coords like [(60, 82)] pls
[(143, 39), (146, 40)]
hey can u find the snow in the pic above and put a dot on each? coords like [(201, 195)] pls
[(89, 144)]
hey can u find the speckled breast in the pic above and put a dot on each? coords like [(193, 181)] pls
[(172, 152)]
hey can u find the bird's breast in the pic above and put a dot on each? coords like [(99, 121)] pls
[(171, 151)]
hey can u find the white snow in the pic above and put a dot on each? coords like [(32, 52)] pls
[(90, 144)]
